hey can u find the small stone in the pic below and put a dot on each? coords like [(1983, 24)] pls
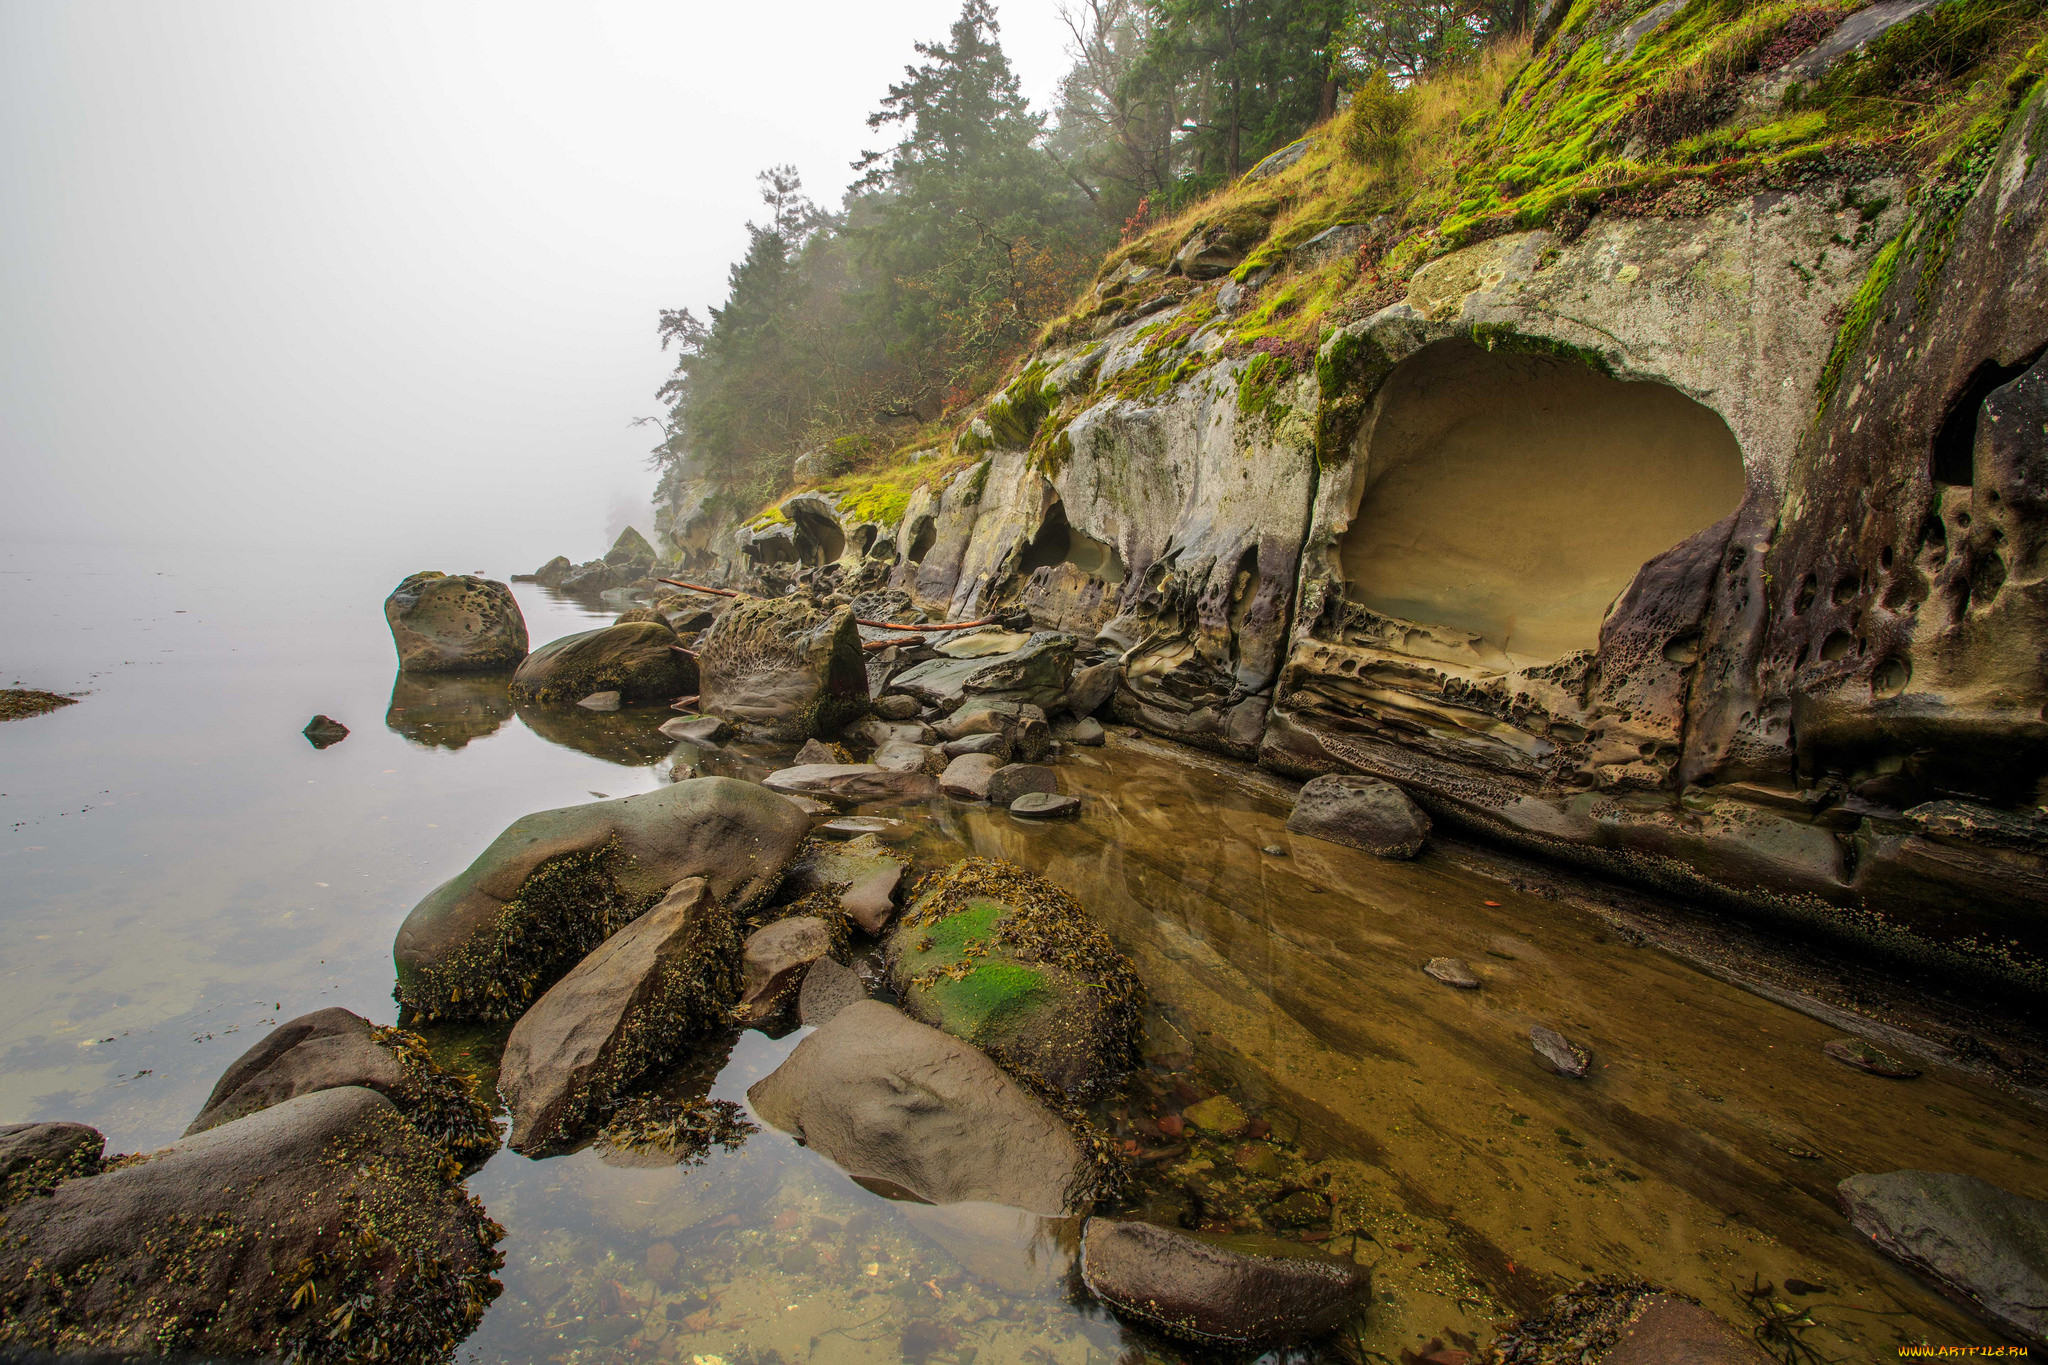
[(897, 706), (853, 826), (967, 777), (828, 988), (1086, 731), (1256, 1158), (1672, 1331), (997, 746), (1008, 783), (696, 729), (1045, 806), (817, 751), (1861, 1055), (774, 960), (1302, 1209), (1558, 1053), (322, 731), (600, 701), (1217, 1114), (1452, 971)]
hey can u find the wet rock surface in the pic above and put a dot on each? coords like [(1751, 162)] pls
[(968, 776), (1013, 780), (775, 961), (36, 1157), (1045, 806), (637, 661), (1035, 672), (1866, 1056), (454, 624), (1558, 1053), (827, 989), (1220, 1291), (324, 732), (786, 667), (861, 876), (697, 729), (1452, 971), (1362, 812), (1673, 1331), (850, 784), (1984, 1245)]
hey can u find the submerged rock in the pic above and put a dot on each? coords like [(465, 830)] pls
[(828, 988), (206, 1248), (867, 878), (37, 1157), (775, 960), (1362, 812), (696, 729), (1218, 1114), (335, 1047), (638, 661), (1220, 1291), (323, 731), (1667, 1330), (1865, 1057), (888, 1098), (454, 624), (851, 784), (1984, 1245), (1559, 1053), (1011, 963), (1622, 1322), (628, 1007), (1013, 780), (1452, 971), (1045, 806), (557, 883), (785, 665)]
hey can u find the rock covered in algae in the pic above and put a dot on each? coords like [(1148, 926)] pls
[(334, 1047), (888, 1098), (630, 1006), (557, 883), (1220, 1291), (459, 623), (637, 660), (861, 875), (36, 1157), (784, 665), (1010, 962), (325, 1228)]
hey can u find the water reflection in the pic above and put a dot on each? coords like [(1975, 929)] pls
[(448, 710), (630, 737)]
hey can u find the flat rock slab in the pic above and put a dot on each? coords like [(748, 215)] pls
[(1013, 780), (1217, 1291), (967, 777), (851, 784), (203, 1243), (1671, 1331), (995, 745), (36, 1157), (1362, 812), (1984, 1245), (828, 988), (1559, 1053), (697, 729), (901, 756), (457, 623), (1045, 806), (1452, 971), (888, 1098), (649, 988), (774, 960), (854, 826)]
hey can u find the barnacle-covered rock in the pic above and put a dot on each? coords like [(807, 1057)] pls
[(454, 624), (638, 660), (325, 1228), (557, 883), (785, 665), (1010, 962), (36, 1157)]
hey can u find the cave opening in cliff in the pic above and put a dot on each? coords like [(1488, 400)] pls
[(1953, 459), (1513, 496), (923, 533), (1057, 542)]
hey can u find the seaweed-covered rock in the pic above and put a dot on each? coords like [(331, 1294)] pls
[(557, 883), (864, 875), (775, 960), (1220, 1291), (1363, 812), (784, 665), (454, 624), (325, 1228), (637, 660), (1984, 1245), (334, 1047), (1011, 963), (851, 784), (1034, 673), (36, 1157), (888, 1098), (642, 994)]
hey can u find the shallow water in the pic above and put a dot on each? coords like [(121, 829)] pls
[(182, 869)]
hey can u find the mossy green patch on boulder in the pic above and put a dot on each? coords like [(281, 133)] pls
[(1006, 960), (557, 883), (638, 660)]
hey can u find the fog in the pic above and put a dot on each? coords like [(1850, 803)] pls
[(287, 279)]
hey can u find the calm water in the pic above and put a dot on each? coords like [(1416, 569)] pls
[(181, 870)]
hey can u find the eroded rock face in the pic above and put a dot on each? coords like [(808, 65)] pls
[(888, 1098), (631, 1005), (454, 624), (636, 660), (557, 883), (1984, 1245), (201, 1249), (1362, 812), (785, 666), (1220, 1291)]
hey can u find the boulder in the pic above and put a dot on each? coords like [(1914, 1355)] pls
[(888, 1098), (600, 701), (967, 777), (696, 729), (774, 962), (1037, 672), (632, 614), (851, 784), (333, 1047), (642, 994), (1090, 687), (323, 731), (996, 746), (207, 1247), (1451, 971), (1045, 806), (1362, 812), (1013, 780), (1086, 731), (1983, 1245), (588, 580), (982, 718), (1255, 1292), (454, 624), (897, 706), (816, 751), (784, 665), (866, 876), (898, 756), (637, 661), (1008, 961), (551, 574), (1559, 1053), (828, 988), (36, 1157), (557, 883), (631, 554)]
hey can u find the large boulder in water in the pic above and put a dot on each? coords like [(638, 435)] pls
[(637, 660), (454, 624), (334, 1047), (1010, 962), (890, 1099), (1220, 1291), (557, 883), (1984, 1245), (639, 998), (784, 665), (551, 574), (631, 554), (1363, 812), (322, 1228)]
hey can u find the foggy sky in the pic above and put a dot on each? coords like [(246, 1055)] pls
[(295, 277)]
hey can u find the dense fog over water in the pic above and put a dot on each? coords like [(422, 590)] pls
[(302, 279)]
